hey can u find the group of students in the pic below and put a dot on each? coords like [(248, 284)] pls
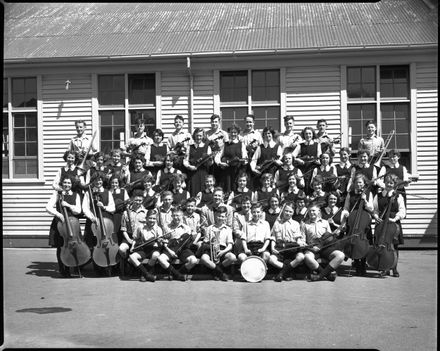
[(215, 197)]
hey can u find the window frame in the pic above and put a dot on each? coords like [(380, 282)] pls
[(10, 110), (250, 103), (377, 102), (126, 107)]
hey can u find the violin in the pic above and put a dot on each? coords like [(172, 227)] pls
[(307, 159), (251, 147), (205, 158), (382, 255), (74, 251), (178, 147), (235, 161), (267, 164), (105, 252), (357, 223)]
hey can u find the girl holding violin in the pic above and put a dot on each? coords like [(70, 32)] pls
[(267, 156), (307, 155), (332, 213), (164, 178), (98, 166), (300, 211), (155, 154), (179, 194), (151, 198), (397, 212), (267, 189), (205, 196), (319, 196), (343, 172), (138, 173), (363, 167), (327, 171), (72, 170), (231, 159), (198, 152), (121, 198), (242, 190), (292, 192), (273, 212), (143, 234), (316, 230), (283, 173), (72, 202), (360, 194)]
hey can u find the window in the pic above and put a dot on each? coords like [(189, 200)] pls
[(384, 89), (118, 110), (20, 129), (262, 97)]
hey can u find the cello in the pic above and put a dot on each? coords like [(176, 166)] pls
[(357, 223), (74, 252), (382, 256), (105, 252)]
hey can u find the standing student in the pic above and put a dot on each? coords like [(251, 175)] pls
[(72, 170), (397, 212), (98, 166), (232, 159), (80, 144), (198, 152), (251, 138), (216, 137), (178, 137), (116, 168), (155, 154), (139, 143), (218, 242), (146, 234), (72, 202), (306, 155), (373, 143), (289, 140), (315, 228), (365, 168), (327, 142), (343, 171), (286, 233)]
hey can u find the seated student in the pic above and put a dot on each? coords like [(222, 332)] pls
[(172, 246), (239, 221), (151, 198), (140, 250), (72, 170), (216, 251), (130, 220), (205, 197), (286, 233), (300, 208), (164, 178), (327, 171), (192, 220), (256, 236), (285, 171), (164, 215), (121, 198), (179, 194), (116, 168), (292, 192), (272, 213), (367, 169), (332, 213), (343, 171), (207, 211), (267, 189), (98, 166), (314, 228), (242, 190), (319, 196)]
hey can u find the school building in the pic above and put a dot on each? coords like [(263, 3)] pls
[(107, 63)]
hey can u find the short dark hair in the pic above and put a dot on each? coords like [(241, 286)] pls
[(250, 115), (158, 132), (179, 117), (137, 192), (221, 209), (80, 121), (288, 117), (69, 152), (320, 121), (214, 116)]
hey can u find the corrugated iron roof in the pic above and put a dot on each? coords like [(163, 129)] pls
[(50, 30)]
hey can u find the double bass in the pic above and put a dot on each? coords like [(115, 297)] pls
[(382, 255), (357, 223), (105, 252), (74, 252)]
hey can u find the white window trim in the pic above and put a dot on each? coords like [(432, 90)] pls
[(40, 156)]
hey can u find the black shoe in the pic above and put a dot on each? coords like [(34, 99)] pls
[(314, 277), (65, 274), (278, 278), (332, 276), (224, 277), (142, 279), (396, 273)]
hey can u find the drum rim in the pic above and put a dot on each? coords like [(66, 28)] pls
[(258, 258)]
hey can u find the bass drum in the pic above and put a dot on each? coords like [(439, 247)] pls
[(253, 269)]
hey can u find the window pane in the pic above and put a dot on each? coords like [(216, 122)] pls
[(24, 92), (5, 168), (233, 115), (396, 117), (111, 90), (353, 75), (19, 149), (31, 134), (19, 120), (31, 149), (267, 116), (5, 139), (394, 81), (368, 75), (25, 168), (233, 86), (106, 133), (19, 135), (361, 82), (5, 92), (266, 85), (112, 123), (141, 89)]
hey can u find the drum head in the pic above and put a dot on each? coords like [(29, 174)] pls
[(253, 269)]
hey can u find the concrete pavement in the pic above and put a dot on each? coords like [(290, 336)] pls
[(42, 310)]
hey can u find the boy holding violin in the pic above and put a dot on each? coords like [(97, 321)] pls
[(397, 212), (71, 201), (316, 230)]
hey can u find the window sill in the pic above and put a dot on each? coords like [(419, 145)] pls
[(23, 181)]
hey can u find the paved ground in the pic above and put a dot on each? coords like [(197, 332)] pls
[(42, 310)]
